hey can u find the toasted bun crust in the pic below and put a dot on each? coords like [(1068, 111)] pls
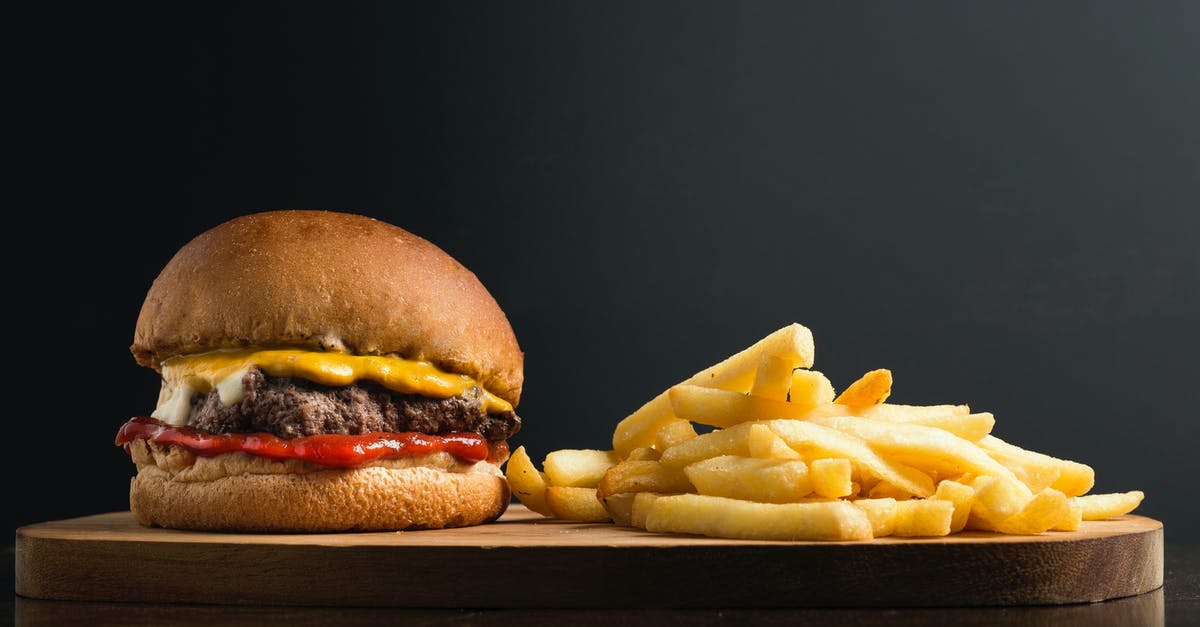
[(361, 499), (328, 281)]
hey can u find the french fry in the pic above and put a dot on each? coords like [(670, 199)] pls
[(641, 507), (820, 441), (926, 448), (872, 388), (830, 477), (963, 497), (970, 427), (578, 468), (996, 499), (733, 518), (620, 508), (1105, 506), (644, 476), (751, 479), (1070, 478), (793, 342), (912, 413), (881, 513), (923, 517), (810, 388), (765, 444), (731, 441), (722, 408), (773, 378), (644, 453), (1073, 521), (673, 432), (1041, 513), (576, 504), (527, 483)]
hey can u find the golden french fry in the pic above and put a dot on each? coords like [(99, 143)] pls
[(643, 476), (731, 441), (620, 508), (963, 497), (923, 517), (820, 441), (773, 378), (1045, 510), (722, 408), (763, 443), (578, 468), (732, 518), (925, 448), (810, 388), (996, 499), (912, 413), (644, 453), (1070, 478), (830, 477), (881, 513), (793, 342), (673, 432), (872, 388), (751, 478), (641, 506), (1105, 506), (577, 504), (885, 490), (527, 483), (970, 427), (1073, 521)]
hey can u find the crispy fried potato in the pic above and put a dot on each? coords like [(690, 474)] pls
[(923, 517), (751, 479), (733, 518), (793, 342), (963, 497), (620, 508), (872, 388), (527, 483), (773, 378), (912, 413), (1070, 478), (764, 443), (673, 432), (576, 504), (830, 477), (1105, 506), (643, 476), (641, 507), (925, 448), (578, 468), (810, 388), (881, 513), (819, 441), (722, 408), (731, 441)]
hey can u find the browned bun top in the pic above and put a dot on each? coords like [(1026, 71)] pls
[(324, 280)]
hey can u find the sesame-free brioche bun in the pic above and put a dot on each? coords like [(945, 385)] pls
[(323, 280), (235, 492)]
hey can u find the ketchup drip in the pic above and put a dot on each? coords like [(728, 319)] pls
[(337, 450)]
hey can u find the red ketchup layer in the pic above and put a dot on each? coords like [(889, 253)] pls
[(342, 451)]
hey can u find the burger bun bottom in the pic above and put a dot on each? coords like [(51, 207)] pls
[(370, 498)]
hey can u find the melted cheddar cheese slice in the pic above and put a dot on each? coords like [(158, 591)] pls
[(222, 370)]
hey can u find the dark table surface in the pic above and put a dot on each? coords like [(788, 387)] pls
[(1176, 603)]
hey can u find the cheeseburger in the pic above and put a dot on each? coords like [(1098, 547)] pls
[(321, 371)]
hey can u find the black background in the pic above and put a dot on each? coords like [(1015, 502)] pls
[(997, 201)]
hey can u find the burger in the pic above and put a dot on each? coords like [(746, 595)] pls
[(321, 371)]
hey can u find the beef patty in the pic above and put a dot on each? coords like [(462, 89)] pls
[(291, 408)]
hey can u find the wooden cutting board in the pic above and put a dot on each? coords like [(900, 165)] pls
[(527, 561)]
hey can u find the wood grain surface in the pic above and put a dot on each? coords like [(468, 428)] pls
[(527, 561)]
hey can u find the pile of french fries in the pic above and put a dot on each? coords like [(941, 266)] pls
[(783, 457)]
